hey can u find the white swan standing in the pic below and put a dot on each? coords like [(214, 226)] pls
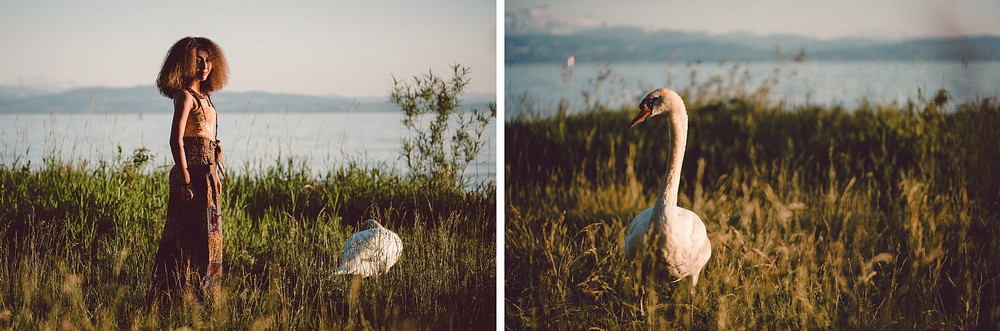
[(679, 245), (370, 252)]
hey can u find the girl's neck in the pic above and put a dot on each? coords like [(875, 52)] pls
[(196, 87)]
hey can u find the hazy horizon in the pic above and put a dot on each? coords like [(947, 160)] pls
[(883, 20)]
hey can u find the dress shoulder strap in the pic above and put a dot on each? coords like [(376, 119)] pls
[(196, 98), (209, 96)]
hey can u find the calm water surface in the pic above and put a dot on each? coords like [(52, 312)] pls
[(538, 88), (322, 140)]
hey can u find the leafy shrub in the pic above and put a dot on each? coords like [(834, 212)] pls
[(436, 154)]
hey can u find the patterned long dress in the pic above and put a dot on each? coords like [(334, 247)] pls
[(189, 258)]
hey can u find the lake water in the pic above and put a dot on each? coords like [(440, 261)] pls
[(538, 88), (322, 140)]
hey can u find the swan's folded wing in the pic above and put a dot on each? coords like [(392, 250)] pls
[(636, 235), (699, 248), (370, 252), (694, 227), (357, 250)]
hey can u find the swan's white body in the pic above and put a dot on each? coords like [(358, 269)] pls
[(370, 252), (680, 245)]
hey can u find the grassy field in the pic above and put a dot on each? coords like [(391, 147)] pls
[(881, 217), (79, 240)]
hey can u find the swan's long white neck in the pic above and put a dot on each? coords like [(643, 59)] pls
[(663, 209)]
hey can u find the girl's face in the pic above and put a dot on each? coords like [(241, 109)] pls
[(204, 65)]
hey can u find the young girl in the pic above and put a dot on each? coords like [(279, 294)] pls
[(189, 257)]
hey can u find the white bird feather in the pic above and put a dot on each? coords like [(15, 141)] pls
[(370, 252)]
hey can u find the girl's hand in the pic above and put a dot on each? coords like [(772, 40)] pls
[(188, 194)]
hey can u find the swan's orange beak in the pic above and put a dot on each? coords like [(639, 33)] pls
[(644, 113)]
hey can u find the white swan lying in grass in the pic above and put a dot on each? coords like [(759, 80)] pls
[(370, 252)]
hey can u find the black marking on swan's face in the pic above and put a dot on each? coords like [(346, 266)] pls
[(650, 106)]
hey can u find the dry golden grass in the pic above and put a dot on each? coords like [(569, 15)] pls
[(881, 217)]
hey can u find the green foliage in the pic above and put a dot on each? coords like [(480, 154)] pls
[(79, 241), (436, 154), (820, 218)]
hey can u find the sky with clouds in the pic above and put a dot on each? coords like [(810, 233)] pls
[(883, 19), (345, 48)]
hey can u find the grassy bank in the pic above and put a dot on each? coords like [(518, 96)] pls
[(819, 217), (79, 241)]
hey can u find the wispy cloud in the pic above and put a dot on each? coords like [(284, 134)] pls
[(546, 20)]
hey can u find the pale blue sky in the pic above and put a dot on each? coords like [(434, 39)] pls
[(890, 19), (346, 48)]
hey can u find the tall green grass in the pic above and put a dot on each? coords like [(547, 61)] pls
[(885, 216), (79, 240)]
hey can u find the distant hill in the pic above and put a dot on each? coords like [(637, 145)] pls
[(626, 44), (146, 99)]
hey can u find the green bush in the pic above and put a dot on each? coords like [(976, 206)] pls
[(436, 154)]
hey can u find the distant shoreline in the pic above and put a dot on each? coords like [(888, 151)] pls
[(633, 45), (146, 99)]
